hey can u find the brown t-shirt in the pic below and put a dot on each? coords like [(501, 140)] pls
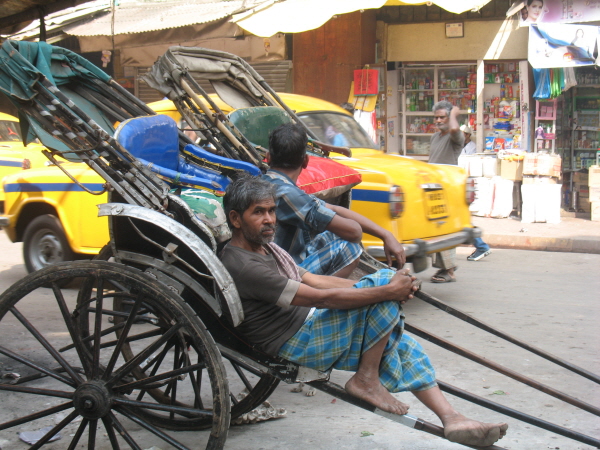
[(269, 319)]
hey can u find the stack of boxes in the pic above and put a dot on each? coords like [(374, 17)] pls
[(594, 192), (541, 191), (581, 189)]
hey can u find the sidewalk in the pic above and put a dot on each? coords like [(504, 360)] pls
[(572, 234)]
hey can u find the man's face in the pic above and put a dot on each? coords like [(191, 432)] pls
[(258, 223), (441, 119)]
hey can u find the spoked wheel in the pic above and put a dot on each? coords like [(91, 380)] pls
[(248, 387), (154, 364)]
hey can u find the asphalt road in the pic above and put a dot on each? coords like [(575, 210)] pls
[(550, 300)]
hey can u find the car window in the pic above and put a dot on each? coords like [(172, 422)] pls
[(337, 129), (9, 131)]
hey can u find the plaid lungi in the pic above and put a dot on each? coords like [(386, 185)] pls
[(328, 254), (336, 339)]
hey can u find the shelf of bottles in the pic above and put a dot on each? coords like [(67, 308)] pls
[(425, 86), (586, 138), (501, 113), (458, 85)]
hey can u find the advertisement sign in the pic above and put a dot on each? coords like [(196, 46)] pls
[(561, 45), (559, 11)]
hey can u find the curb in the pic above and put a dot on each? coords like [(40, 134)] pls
[(548, 244)]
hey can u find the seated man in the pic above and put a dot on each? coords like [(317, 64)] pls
[(335, 250), (326, 322)]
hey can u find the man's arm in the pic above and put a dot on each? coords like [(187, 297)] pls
[(326, 281), (400, 288), (453, 121), (391, 246)]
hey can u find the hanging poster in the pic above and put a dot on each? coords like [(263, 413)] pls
[(559, 11), (561, 45)]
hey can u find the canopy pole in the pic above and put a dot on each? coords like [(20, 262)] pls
[(42, 14)]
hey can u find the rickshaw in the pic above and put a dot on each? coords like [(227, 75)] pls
[(148, 335)]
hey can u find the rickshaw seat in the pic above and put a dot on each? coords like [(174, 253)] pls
[(154, 140), (256, 123), (151, 138)]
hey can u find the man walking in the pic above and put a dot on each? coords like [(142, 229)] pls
[(481, 248), (446, 145)]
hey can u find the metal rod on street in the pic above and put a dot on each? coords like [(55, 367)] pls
[(473, 321), (518, 415), (501, 369)]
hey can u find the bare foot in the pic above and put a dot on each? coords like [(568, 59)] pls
[(372, 391), (465, 431)]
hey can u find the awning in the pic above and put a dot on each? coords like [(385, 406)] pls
[(454, 6), (296, 16), (154, 16)]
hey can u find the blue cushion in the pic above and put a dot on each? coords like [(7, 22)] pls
[(152, 138)]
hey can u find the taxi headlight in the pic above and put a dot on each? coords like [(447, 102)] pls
[(396, 201)]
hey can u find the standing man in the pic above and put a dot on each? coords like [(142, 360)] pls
[(481, 248), (324, 239), (470, 148), (326, 322), (446, 146)]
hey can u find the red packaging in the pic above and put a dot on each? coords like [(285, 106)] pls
[(366, 82)]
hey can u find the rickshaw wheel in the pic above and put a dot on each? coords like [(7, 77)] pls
[(65, 351), (257, 387)]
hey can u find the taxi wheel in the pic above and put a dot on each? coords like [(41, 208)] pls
[(45, 243)]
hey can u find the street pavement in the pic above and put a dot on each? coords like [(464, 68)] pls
[(572, 234)]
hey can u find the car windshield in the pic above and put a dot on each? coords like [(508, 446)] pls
[(337, 129), (9, 131)]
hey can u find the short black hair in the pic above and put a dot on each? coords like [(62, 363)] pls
[(287, 146), (244, 191)]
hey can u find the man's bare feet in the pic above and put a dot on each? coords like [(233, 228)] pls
[(462, 430), (372, 391)]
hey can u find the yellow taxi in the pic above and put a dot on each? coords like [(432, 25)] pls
[(425, 206), (14, 156)]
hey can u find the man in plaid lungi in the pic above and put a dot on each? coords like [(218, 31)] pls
[(335, 250), (330, 322)]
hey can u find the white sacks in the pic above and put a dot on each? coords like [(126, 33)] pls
[(541, 203), (493, 197)]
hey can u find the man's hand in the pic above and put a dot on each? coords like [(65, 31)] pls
[(404, 285), (393, 248)]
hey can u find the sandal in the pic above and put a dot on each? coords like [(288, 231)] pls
[(442, 276)]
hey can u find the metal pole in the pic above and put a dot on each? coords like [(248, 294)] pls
[(479, 324), (501, 369)]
